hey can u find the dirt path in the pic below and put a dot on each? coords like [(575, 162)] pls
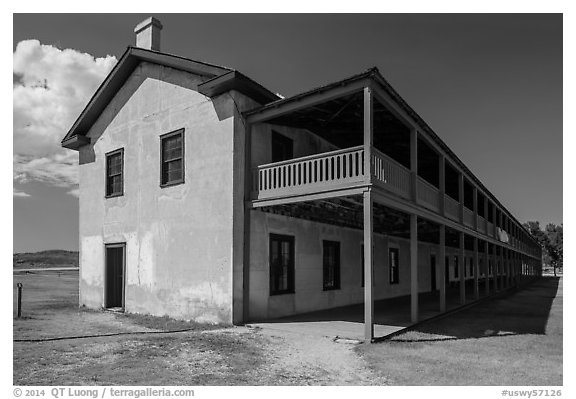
[(301, 359)]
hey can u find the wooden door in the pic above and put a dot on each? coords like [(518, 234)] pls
[(115, 276)]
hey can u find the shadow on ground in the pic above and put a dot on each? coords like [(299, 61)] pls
[(523, 311), (515, 311)]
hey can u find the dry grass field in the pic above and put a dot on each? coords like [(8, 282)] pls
[(510, 340)]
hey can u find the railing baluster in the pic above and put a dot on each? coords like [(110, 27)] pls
[(343, 165)]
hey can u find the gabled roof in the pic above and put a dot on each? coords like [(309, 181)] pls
[(220, 79)]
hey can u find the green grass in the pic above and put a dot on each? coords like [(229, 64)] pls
[(512, 340)]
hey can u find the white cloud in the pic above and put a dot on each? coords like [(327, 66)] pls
[(18, 193), (75, 192), (51, 87)]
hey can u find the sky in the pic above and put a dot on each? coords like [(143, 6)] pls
[(490, 85)]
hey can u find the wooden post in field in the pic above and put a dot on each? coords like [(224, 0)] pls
[(19, 302)]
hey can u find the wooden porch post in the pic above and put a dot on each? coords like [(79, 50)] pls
[(461, 197), (497, 265), (462, 269), (247, 214), (368, 217), (414, 163), (442, 268), (414, 268), (518, 268), (486, 268), (368, 133), (475, 206), (501, 270), (368, 265), (476, 269), (506, 271), (414, 228), (442, 191)]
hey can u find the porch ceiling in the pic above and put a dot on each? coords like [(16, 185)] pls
[(347, 212), (341, 120)]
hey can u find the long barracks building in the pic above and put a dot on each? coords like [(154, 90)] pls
[(204, 196)]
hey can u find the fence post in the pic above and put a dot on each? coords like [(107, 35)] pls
[(19, 308)]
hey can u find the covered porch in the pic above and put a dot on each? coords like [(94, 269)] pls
[(347, 322), (356, 155)]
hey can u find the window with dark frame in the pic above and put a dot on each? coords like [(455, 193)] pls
[(331, 265), (115, 173), (281, 264), (282, 147), (394, 267), (172, 154), (471, 267), (456, 266)]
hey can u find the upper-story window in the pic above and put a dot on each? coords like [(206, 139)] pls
[(114, 173), (172, 153), (282, 147)]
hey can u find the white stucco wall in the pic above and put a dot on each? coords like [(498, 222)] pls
[(178, 239)]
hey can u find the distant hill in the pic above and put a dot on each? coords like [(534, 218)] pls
[(51, 258)]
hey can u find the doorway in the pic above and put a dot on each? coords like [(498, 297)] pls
[(115, 268)]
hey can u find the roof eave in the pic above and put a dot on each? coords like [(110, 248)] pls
[(118, 75), (75, 142), (234, 80)]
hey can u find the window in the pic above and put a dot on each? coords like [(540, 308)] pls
[(282, 147), (456, 266), (281, 264), (471, 267), (172, 153), (331, 265), (114, 173), (393, 262)]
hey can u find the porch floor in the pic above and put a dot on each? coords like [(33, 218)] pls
[(390, 316)]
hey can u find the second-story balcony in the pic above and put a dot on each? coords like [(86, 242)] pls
[(336, 125), (311, 174), (336, 170)]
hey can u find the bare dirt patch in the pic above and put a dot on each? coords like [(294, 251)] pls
[(145, 350)]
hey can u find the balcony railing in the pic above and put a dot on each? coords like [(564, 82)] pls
[(428, 195), (451, 207), (468, 217), (390, 174), (318, 172), (481, 225), (343, 169), (490, 229)]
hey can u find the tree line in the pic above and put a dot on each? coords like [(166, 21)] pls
[(550, 240)]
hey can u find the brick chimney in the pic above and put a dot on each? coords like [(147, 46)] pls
[(148, 34)]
